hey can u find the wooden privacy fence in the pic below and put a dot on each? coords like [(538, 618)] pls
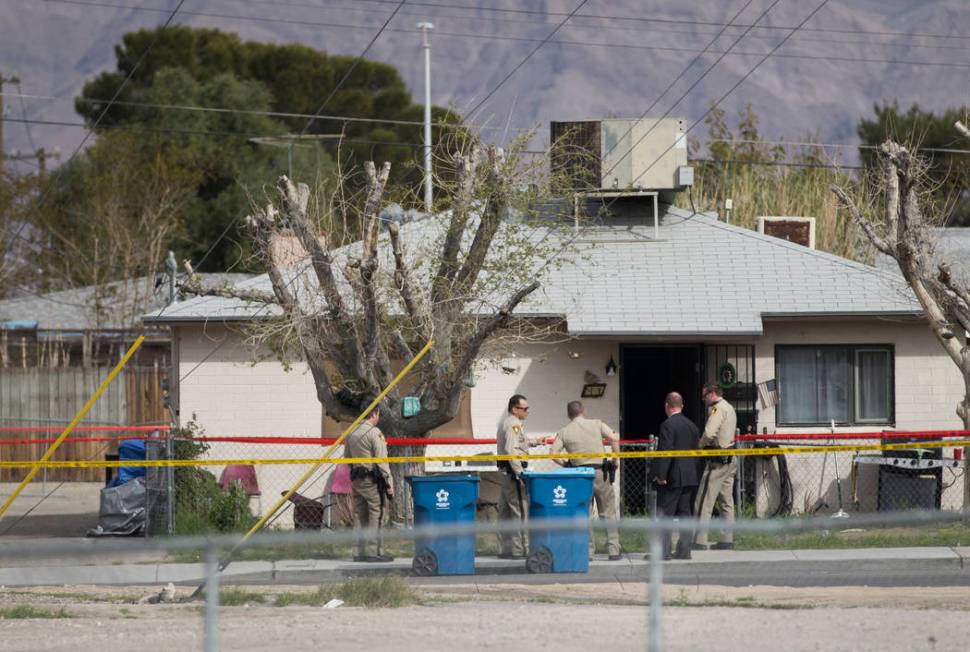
[(35, 397)]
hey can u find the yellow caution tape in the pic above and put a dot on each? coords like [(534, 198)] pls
[(731, 452)]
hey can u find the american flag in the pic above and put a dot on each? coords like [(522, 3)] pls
[(768, 393)]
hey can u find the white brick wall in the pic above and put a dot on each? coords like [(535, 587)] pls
[(927, 390), (230, 394), (928, 385), (550, 378)]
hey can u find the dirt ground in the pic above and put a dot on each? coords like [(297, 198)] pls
[(484, 617)]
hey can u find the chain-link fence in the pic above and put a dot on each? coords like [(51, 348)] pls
[(298, 590), (791, 474)]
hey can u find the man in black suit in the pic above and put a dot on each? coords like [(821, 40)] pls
[(676, 477)]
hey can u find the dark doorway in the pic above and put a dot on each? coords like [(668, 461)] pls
[(647, 374)]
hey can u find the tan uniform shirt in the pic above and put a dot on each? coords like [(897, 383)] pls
[(720, 427), (511, 440), (580, 436), (368, 441)]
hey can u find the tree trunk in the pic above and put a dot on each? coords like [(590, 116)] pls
[(402, 507)]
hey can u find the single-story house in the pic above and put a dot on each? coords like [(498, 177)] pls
[(88, 326), (688, 301), (57, 347)]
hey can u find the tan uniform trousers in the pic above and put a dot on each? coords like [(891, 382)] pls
[(369, 512), (513, 506), (717, 483), (605, 499)]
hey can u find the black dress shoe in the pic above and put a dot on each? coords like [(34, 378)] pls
[(615, 557), (361, 558), (698, 546), (382, 558), (724, 545)]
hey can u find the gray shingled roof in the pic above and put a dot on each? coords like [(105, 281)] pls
[(702, 277), (119, 307)]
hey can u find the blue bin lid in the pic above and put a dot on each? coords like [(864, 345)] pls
[(446, 477), (570, 472)]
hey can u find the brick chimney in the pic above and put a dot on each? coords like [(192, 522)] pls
[(800, 230)]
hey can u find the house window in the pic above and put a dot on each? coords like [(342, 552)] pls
[(847, 384)]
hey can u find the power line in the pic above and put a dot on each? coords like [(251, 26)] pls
[(649, 26), (651, 20), (199, 132), (353, 66), (715, 104), (578, 43), (272, 114), (527, 57), (23, 113), (90, 130), (679, 77), (300, 273), (346, 118)]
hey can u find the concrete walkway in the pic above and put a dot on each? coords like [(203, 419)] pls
[(952, 562)]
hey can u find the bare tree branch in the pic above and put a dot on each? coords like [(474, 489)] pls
[(402, 277), (962, 129), (192, 285), (448, 268), (861, 221), (495, 210)]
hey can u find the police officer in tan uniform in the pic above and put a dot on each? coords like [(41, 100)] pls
[(371, 487), (584, 435), (717, 483), (511, 440)]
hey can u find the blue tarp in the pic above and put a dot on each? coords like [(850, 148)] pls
[(133, 450)]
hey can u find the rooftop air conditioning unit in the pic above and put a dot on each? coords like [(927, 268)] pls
[(621, 155)]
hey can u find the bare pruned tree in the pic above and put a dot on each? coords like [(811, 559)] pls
[(357, 311), (902, 229)]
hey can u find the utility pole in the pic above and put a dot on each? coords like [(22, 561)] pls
[(3, 80), (425, 26), (171, 267), (40, 154)]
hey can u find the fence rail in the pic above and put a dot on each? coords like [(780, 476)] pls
[(653, 529)]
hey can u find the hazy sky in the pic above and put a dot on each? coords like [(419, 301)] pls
[(615, 57)]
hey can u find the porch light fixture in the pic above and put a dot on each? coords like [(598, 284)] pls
[(611, 367)]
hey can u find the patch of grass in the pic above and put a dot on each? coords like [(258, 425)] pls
[(126, 613), (318, 598), (381, 592), (738, 603), (955, 534), (239, 597), (384, 592), (26, 611)]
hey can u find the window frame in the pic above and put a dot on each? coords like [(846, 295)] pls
[(852, 354)]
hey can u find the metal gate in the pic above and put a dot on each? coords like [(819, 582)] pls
[(732, 367)]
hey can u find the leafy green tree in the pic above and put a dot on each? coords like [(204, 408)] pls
[(919, 130), (296, 78), (110, 215)]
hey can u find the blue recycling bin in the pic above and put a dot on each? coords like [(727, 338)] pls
[(444, 500), (561, 494)]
